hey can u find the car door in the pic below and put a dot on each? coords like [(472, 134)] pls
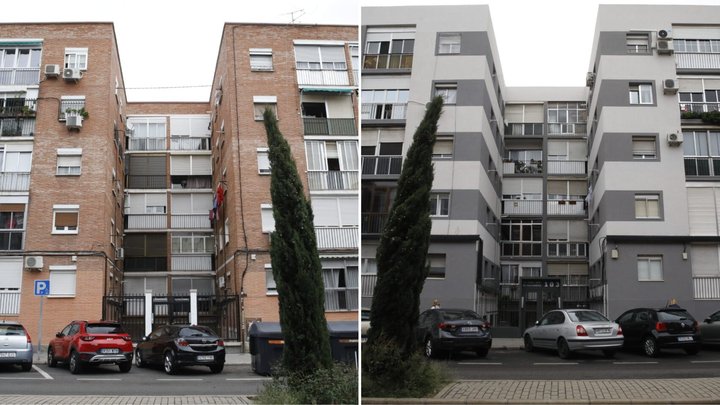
[(711, 330), (66, 341), (631, 331), (158, 343), (57, 343), (421, 327), (539, 332)]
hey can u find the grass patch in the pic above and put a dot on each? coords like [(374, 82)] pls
[(336, 385)]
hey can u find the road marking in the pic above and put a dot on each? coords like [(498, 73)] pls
[(21, 378), (556, 364), (99, 379), (249, 379), (635, 362), (43, 373), (704, 361), (178, 379), (479, 363)]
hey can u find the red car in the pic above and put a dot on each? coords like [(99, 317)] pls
[(84, 342)]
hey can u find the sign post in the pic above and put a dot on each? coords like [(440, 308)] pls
[(42, 288)]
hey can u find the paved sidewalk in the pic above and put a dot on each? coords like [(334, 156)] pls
[(122, 400)]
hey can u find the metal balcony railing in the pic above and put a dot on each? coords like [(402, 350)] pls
[(11, 181), (566, 167), (373, 223), (329, 238), (158, 143), (567, 249), (522, 207), (699, 107), (388, 61), (566, 129), (11, 240), (15, 107), (697, 61), (329, 126), (566, 207), (368, 282), (19, 76), (190, 221), (333, 180), (323, 77), (521, 129), (386, 111), (145, 182), (381, 165), (24, 126), (9, 302), (192, 262), (522, 167), (189, 143), (706, 288), (147, 221)]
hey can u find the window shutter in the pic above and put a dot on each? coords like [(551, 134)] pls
[(307, 53), (12, 207), (326, 211), (534, 113), (201, 165), (181, 204), (11, 273), (180, 165), (443, 147), (66, 219), (701, 211), (202, 203), (179, 126), (557, 230), (349, 211), (705, 260), (333, 53), (62, 282)]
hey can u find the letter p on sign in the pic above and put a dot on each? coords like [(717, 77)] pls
[(42, 287)]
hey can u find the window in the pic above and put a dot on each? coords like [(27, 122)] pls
[(697, 45), (647, 206), (263, 160), (644, 147), (16, 61), (443, 147), (191, 243), (521, 237), (15, 161), (314, 57), (637, 43), (11, 275), (448, 91), (69, 103), (566, 118), (62, 281), (227, 231), (389, 48), (641, 93), (12, 224), (65, 219), (384, 104), (270, 286), (341, 286), (76, 58), (436, 262), (439, 204), (649, 268), (268, 220), (261, 59), (449, 43), (69, 162), (260, 103)]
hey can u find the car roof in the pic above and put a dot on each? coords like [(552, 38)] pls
[(10, 323)]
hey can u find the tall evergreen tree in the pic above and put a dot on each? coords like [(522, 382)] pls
[(402, 252), (295, 262)]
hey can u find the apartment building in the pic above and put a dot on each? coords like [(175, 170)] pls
[(61, 171), (308, 76)]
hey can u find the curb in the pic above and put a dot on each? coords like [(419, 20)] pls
[(644, 401)]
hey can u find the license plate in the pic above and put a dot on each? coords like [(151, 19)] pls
[(469, 329), (206, 358), (109, 351), (602, 331), (8, 354), (685, 339)]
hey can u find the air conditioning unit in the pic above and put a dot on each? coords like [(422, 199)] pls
[(52, 70), (675, 138), (590, 79), (34, 262), (73, 121), (72, 74), (664, 34), (119, 253), (665, 47), (670, 86)]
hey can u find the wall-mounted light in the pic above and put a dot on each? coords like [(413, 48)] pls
[(614, 253), (684, 253)]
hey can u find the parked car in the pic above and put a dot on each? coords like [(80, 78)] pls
[(710, 329), (364, 324), (571, 330), (15, 345), (174, 346), (664, 328), (453, 330), (93, 343)]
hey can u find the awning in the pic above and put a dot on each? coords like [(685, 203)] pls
[(326, 90)]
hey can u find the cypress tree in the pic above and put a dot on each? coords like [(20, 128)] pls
[(295, 262), (402, 251)]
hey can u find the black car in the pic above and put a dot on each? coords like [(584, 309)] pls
[(663, 328), (174, 346), (453, 330)]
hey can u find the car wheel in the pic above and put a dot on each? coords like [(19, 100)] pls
[(75, 365), (125, 366), (650, 346), (563, 349), (609, 354), (169, 363), (139, 362), (482, 352), (429, 348), (692, 350), (51, 362), (217, 368), (26, 366), (528, 343)]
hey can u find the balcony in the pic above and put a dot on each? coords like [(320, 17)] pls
[(190, 221), (146, 182), (569, 250), (333, 180), (141, 144), (690, 107), (702, 166), (146, 221), (563, 167), (9, 302), (330, 126), (11, 240), (381, 165), (574, 206), (555, 129), (145, 264), (368, 282), (706, 288), (524, 129), (19, 76), (393, 61), (522, 207), (697, 61), (329, 238), (373, 223), (522, 167), (388, 111), (197, 262), (189, 143), (24, 126), (323, 77), (521, 248), (341, 299), (10, 181)]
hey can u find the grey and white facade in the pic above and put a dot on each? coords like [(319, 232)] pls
[(601, 196)]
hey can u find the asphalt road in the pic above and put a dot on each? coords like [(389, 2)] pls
[(546, 365), (107, 380)]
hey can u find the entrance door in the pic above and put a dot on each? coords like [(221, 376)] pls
[(537, 296)]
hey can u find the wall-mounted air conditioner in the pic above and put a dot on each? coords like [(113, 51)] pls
[(675, 138), (664, 42), (119, 253), (34, 262), (590, 79), (72, 74), (670, 86), (73, 121), (52, 70)]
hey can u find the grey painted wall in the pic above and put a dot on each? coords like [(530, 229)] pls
[(615, 93), (471, 147), (470, 205), (619, 205), (457, 289), (617, 147), (612, 43)]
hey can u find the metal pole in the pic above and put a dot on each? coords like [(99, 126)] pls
[(40, 322)]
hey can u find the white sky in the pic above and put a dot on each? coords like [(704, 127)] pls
[(171, 43), (541, 42)]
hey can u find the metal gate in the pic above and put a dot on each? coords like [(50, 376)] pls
[(538, 296)]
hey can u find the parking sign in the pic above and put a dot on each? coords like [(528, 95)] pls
[(42, 287)]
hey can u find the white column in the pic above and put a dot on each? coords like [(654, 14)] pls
[(148, 312), (193, 307)]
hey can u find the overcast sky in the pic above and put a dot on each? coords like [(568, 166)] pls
[(174, 43)]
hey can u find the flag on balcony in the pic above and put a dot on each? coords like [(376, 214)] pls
[(212, 215), (220, 195)]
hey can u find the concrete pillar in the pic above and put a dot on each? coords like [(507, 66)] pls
[(193, 307), (148, 312)]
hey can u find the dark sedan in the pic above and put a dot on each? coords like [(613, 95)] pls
[(664, 328), (453, 330), (174, 346)]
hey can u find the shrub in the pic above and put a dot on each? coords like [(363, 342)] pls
[(335, 385)]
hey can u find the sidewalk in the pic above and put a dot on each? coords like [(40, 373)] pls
[(122, 400)]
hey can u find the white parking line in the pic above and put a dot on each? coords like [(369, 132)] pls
[(99, 379), (479, 363), (556, 364), (249, 379), (179, 379), (43, 373), (21, 378), (635, 362), (704, 361)]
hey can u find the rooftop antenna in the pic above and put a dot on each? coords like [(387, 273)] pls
[(293, 18)]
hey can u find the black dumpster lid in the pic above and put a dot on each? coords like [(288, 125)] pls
[(265, 329), (343, 327)]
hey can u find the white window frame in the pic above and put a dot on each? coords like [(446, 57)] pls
[(67, 272), (262, 102), (262, 53), (637, 43), (270, 285), (76, 58), (69, 162), (646, 200), (436, 200), (268, 221), (641, 94), (66, 208), (449, 44), (227, 230), (448, 91), (648, 259), (263, 161)]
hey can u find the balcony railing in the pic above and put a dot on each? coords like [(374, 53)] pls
[(147, 221), (388, 111), (381, 165), (24, 126), (373, 223), (702, 166), (368, 282), (524, 248), (697, 61), (356, 77), (158, 143), (189, 143), (566, 129), (341, 299), (388, 61), (706, 288), (323, 77), (19, 76), (10, 181), (566, 207), (329, 126), (11, 240), (190, 221), (522, 167), (699, 107), (181, 262), (145, 182), (9, 302), (521, 129), (145, 263), (522, 207), (19, 107), (333, 180), (337, 238), (566, 167), (567, 249)]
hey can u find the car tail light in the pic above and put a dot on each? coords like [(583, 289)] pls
[(695, 327), (88, 338), (182, 342), (29, 340), (661, 327), (580, 330), (619, 332), (446, 326), (128, 338), (220, 342)]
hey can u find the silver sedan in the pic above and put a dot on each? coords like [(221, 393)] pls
[(570, 330)]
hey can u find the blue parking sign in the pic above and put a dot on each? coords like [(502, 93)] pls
[(42, 287)]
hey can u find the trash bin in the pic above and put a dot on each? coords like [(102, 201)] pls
[(266, 346), (344, 341)]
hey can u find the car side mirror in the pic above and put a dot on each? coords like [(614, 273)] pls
[(145, 339), (708, 320), (59, 334), (537, 323)]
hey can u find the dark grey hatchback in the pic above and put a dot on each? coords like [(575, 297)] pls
[(664, 328), (174, 346), (452, 329)]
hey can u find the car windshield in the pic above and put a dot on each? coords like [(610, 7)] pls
[(674, 315), (365, 315), (12, 330), (451, 315), (194, 332), (587, 316), (104, 328)]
